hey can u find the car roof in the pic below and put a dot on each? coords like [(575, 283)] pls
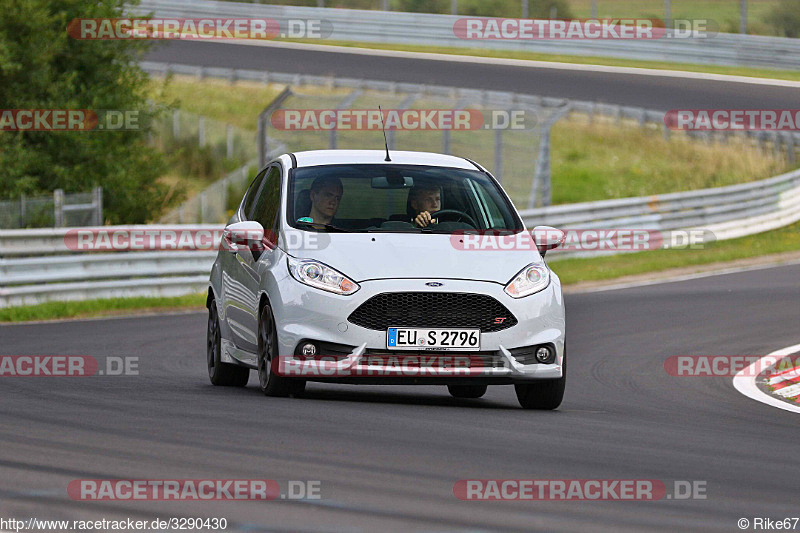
[(339, 157)]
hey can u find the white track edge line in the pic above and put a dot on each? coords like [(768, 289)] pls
[(746, 384)]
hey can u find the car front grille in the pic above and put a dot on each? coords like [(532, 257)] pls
[(433, 310)]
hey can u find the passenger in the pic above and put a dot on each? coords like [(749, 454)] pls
[(325, 193)]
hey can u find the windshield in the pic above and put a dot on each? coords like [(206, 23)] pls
[(397, 198)]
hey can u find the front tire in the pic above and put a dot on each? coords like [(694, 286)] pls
[(270, 383), (546, 394), (467, 391), (221, 374)]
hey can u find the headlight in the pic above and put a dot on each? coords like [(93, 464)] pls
[(529, 280), (321, 276)]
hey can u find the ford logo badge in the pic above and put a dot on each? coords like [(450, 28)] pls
[(434, 284)]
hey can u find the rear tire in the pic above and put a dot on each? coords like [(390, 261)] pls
[(221, 374), (467, 391), (269, 382), (546, 394)]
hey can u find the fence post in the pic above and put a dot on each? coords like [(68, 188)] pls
[(405, 104), (525, 9), (97, 200), (541, 180), (201, 131), (203, 207), (790, 148), (230, 142), (743, 16), (226, 184), (333, 136), (263, 122), (58, 208), (22, 210), (261, 139)]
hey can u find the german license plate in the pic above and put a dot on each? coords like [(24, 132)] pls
[(462, 339)]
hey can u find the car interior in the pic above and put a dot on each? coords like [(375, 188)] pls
[(381, 202)]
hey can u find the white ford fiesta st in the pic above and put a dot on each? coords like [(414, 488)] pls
[(362, 266)]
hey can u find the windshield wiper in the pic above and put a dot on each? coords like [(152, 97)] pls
[(320, 225)]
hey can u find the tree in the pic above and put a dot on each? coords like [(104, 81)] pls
[(41, 67), (785, 18)]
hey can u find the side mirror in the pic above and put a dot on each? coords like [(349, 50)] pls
[(547, 238), (243, 235)]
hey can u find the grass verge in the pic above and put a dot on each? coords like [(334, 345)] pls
[(590, 161), (95, 308), (576, 270)]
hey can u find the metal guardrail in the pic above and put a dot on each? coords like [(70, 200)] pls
[(724, 212), (727, 212), (437, 30), (18, 243), (86, 267)]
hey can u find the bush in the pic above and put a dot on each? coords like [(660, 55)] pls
[(785, 18), (41, 67)]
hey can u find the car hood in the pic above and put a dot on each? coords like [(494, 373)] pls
[(366, 256)]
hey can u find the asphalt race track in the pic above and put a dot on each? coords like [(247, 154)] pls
[(388, 457), (652, 92)]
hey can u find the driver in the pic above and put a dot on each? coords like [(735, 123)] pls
[(424, 200), (326, 193)]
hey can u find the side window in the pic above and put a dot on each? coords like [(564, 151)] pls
[(489, 204), (268, 201), (252, 194)]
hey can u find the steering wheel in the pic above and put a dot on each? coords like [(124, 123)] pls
[(459, 215)]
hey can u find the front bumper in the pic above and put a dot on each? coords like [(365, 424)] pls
[(305, 313)]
